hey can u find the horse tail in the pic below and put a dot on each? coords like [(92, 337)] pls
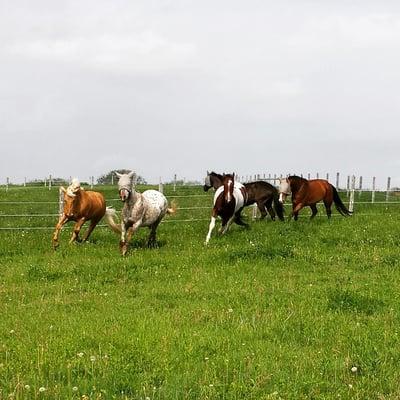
[(339, 204), (174, 207), (109, 217), (278, 207)]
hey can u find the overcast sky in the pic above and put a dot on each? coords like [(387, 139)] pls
[(182, 86)]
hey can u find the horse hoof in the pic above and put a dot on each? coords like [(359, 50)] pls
[(123, 248), (55, 245)]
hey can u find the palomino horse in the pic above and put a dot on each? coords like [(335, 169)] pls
[(309, 193), (80, 206), (140, 209), (260, 192), (229, 200)]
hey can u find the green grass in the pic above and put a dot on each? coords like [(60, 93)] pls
[(281, 310)]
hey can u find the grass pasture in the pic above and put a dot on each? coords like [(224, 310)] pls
[(293, 310)]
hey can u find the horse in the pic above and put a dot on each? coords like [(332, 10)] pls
[(140, 209), (309, 193), (80, 206), (229, 200), (259, 192)]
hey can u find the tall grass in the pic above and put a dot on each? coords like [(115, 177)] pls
[(293, 310)]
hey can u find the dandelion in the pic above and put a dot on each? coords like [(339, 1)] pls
[(80, 355), (211, 385), (354, 369), (27, 387), (75, 389), (92, 358), (42, 389), (230, 310), (206, 358), (12, 331), (350, 386)]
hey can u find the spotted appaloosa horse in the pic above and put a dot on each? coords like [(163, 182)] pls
[(259, 192), (229, 200), (140, 209), (80, 206), (308, 193)]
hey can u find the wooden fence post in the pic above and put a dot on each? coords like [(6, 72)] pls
[(317, 175), (327, 176), (360, 182), (308, 176), (50, 182), (337, 180), (388, 189), (8, 183), (348, 185), (373, 189)]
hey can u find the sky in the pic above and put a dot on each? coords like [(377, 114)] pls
[(168, 87)]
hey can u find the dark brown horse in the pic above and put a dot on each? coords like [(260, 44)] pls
[(309, 193), (80, 206), (229, 200), (259, 192)]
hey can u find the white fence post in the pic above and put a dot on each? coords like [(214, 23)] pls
[(24, 181), (308, 176), (373, 189), (348, 185), (8, 183), (91, 182), (161, 186), (60, 201), (50, 182), (360, 182), (388, 189), (254, 210), (353, 185), (317, 175), (174, 182)]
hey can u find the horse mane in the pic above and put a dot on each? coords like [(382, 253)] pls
[(296, 182), (219, 176)]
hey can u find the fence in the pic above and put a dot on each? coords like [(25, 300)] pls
[(43, 208)]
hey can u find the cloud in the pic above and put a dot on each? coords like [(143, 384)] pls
[(143, 52)]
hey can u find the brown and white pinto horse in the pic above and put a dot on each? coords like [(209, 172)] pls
[(262, 193), (229, 200), (308, 193), (79, 206)]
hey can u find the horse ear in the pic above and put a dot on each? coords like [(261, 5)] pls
[(131, 174), (118, 174), (62, 189)]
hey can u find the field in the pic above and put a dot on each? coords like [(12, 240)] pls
[(293, 310)]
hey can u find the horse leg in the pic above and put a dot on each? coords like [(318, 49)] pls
[(77, 229), (62, 220), (328, 208), (152, 237), (92, 225), (295, 212), (238, 219), (261, 206), (211, 227), (268, 206), (127, 231), (226, 224), (314, 210)]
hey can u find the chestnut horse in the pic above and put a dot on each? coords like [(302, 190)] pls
[(309, 193), (259, 192), (229, 200), (80, 206)]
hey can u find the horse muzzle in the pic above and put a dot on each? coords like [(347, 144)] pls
[(124, 194), (282, 197), (205, 188)]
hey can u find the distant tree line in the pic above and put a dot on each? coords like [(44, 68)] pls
[(110, 177)]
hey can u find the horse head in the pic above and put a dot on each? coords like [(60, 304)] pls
[(125, 185), (71, 197), (228, 180), (284, 189), (212, 180)]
